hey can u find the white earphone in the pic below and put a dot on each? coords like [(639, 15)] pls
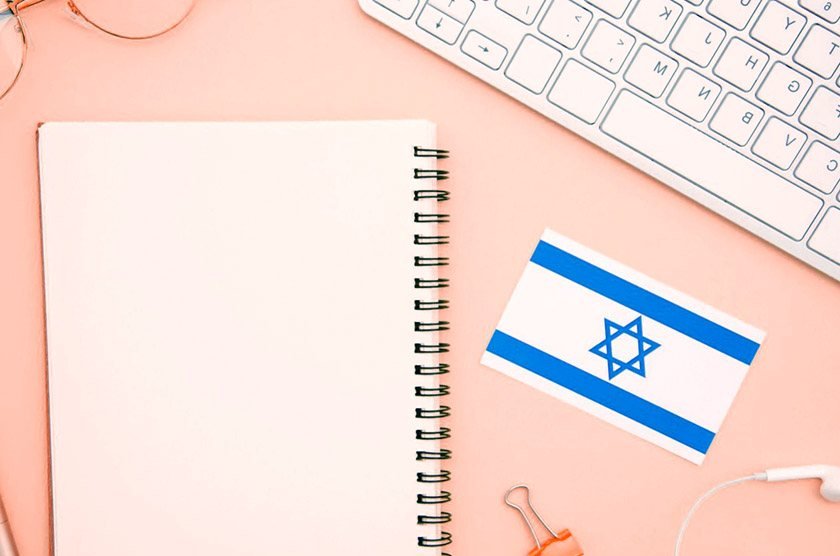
[(829, 489), (829, 474)]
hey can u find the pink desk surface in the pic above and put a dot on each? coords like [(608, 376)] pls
[(514, 174)]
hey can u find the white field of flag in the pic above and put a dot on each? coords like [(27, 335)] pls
[(623, 347)]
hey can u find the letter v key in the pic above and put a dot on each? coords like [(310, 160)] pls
[(779, 143)]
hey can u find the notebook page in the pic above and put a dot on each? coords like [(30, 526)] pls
[(230, 337)]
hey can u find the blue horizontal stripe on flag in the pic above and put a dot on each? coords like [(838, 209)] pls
[(642, 301), (601, 392)]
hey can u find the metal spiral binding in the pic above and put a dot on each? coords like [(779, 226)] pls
[(437, 413), (434, 194), (420, 239), (439, 369), (439, 434), (444, 517), (431, 391), (441, 477), (421, 218)]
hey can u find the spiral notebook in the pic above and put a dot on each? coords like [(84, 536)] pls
[(244, 338)]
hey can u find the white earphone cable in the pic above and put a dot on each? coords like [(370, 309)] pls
[(709, 494)]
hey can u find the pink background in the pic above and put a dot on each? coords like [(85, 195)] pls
[(514, 174)]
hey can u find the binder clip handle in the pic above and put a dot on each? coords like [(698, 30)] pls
[(561, 543)]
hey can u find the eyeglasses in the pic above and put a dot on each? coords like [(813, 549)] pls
[(125, 19)]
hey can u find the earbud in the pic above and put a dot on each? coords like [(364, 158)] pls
[(828, 474)]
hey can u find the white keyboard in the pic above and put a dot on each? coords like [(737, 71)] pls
[(734, 103)]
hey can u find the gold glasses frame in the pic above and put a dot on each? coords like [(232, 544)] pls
[(17, 6)]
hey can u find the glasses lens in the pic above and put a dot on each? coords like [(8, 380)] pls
[(12, 48), (133, 19)]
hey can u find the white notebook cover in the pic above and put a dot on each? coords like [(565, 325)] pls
[(230, 329)]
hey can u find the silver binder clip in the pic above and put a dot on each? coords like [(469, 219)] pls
[(562, 542)]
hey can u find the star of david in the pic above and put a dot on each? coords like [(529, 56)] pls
[(634, 361)]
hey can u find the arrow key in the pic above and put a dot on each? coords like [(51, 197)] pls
[(439, 24), (485, 50)]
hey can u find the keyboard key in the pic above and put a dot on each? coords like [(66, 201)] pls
[(779, 143), (829, 10), (532, 64), (651, 71), (483, 49), (565, 22), (693, 95), (711, 165), (734, 12), (826, 238), (615, 8), (655, 18), (524, 10), (698, 40), (608, 46), (403, 8), (736, 119), (459, 10), (819, 51), (822, 113), (439, 24), (740, 64), (820, 167), (581, 91), (778, 27), (784, 88)]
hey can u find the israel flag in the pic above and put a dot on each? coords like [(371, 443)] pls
[(621, 346)]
